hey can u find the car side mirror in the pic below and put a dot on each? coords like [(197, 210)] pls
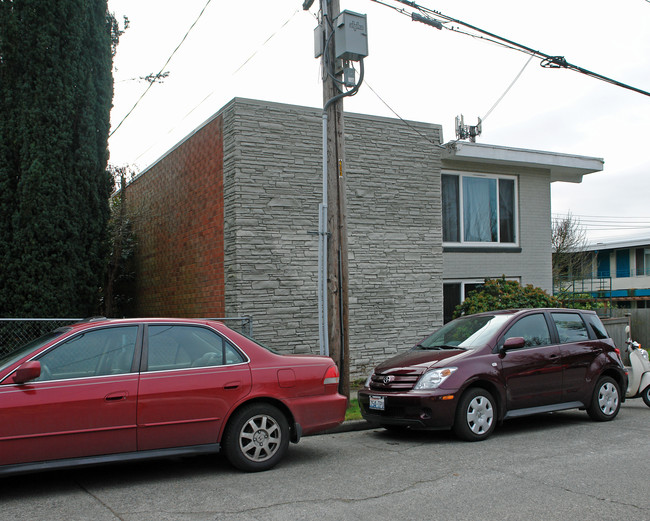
[(28, 371), (515, 342)]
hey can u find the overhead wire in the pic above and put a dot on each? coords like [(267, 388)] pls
[(425, 137), (508, 89), (236, 71), (548, 61), (606, 223), (162, 69), (266, 41), (440, 25)]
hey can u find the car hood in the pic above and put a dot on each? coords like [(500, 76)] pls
[(418, 361)]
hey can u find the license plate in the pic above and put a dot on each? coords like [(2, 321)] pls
[(377, 403)]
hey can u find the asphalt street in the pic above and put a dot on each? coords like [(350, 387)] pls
[(560, 466)]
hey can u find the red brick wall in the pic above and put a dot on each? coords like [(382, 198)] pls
[(177, 207)]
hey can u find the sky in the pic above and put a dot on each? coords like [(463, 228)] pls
[(263, 49)]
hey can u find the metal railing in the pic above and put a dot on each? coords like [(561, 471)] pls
[(14, 332), (583, 285)]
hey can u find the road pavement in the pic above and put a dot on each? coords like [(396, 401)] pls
[(559, 466)]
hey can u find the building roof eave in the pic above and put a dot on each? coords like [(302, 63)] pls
[(563, 167)]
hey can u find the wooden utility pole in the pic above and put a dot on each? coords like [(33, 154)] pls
[(337, 253)]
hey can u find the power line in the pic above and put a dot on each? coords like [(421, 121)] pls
[(236, 71), (403, 120), (602, 217), (593, 223), (162, 69), (266, 41), (508, 89), (438, 20)]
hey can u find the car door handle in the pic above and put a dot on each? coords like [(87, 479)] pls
[(116, 397), (554, 357), (232, 385)]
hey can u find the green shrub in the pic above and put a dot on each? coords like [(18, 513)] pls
[(505, 294)]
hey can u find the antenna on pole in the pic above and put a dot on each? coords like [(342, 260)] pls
[(467, 131)]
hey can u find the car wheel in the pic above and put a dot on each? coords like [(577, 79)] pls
[(646, 396), (605, 402), (256, 438), (475, 415)]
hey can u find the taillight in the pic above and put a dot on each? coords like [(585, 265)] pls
[(331, 376)]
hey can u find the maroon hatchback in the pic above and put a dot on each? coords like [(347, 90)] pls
[(122, 390), (481, 369)]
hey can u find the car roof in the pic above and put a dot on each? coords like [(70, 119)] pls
[(518, 311), (100, 321)]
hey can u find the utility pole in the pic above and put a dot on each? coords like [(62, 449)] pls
[(340, 38), (337, 256)]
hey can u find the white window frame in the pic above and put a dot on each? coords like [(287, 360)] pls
[(461, 216), (464, 282)]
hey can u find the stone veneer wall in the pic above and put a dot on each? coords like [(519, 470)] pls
[(272, 187)]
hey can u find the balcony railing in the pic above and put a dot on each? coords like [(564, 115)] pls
[(589, 285)]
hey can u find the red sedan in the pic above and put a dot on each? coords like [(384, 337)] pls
[(101, 391)]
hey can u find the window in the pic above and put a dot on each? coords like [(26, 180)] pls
[(180, 347), (570, 327), (533, 329), (454, 293), (622, 263), (597, 326), (642, 261), (100, 352), (602, 260), (479, 209)]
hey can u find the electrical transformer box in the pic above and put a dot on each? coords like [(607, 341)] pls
[(351, 36)]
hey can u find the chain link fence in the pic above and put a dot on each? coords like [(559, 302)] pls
[(14, 332)]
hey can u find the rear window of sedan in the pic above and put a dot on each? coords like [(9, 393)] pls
[(183, 346)]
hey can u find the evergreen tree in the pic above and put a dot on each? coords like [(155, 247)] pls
[(56, 92)]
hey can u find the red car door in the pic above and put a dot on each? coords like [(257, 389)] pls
[(83, 404), (191, 378), (533, 374)]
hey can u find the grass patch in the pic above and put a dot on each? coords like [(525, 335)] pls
[(353, 412)]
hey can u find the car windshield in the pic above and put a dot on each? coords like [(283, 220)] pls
[(470, 332), (9, 358)]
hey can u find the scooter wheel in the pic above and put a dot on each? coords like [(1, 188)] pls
[(646, 396)]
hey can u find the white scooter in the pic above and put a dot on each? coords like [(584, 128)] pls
[(638, 372)]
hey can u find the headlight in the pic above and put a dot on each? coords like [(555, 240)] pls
[(433, 379)]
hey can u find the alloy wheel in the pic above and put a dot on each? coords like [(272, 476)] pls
[(260, 438)]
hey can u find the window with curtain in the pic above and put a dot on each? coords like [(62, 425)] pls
[(479, 209)]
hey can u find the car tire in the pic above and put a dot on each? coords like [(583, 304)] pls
[(606, 400), (476, 415), (256, 438), (646, 396)]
